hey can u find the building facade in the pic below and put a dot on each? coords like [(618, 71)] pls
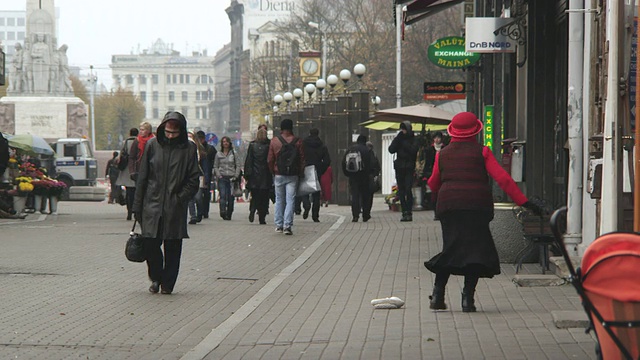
[(13, 30), (166, 81), (219, 108)]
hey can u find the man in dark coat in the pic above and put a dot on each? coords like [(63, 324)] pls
[(404, 145), (317, 154), (167, 180), (207, 168), (359, 181)]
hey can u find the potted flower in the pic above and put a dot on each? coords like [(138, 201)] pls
[(393, 200), (56, 189), (19, 194)]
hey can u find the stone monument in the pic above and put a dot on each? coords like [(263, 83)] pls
[(40, 98)]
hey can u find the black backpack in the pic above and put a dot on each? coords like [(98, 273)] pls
[(288, 161)]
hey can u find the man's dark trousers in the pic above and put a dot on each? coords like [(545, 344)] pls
[(360, 196), (313, 204), (404, 178)]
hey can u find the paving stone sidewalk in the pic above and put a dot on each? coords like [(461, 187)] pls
[(245, 292)]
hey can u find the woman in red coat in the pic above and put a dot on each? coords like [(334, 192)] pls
[(325, 185), (460, 180)]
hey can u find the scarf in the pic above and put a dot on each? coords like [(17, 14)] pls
[(142, 141), (437, 146)]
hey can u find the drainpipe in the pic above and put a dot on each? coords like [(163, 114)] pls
[(573, 237), (399, 27), (611, 146), (588, 204)]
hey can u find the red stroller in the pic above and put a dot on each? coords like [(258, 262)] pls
[(608, 282)]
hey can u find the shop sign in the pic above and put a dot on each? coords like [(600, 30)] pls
[(450, 53), (481, 38), (444, 91), (488, 126)]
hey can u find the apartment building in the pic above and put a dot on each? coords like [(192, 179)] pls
[(164, 80)]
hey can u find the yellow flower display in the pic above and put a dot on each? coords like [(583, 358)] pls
[(25, 187)]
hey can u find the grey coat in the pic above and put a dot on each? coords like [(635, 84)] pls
[(227, 165), (167, 180), (124, 178)]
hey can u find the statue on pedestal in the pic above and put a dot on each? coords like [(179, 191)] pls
[(16, 72), (40, 63)]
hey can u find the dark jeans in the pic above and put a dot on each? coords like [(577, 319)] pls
[(206, 201), (131, 196), (470, 281), (163, 267), (404, 178), (225, 187), (360, 197), (195, 205), (260, 201), (309, 200)]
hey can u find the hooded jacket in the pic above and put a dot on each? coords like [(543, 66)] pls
[(406, 148), (316, 153), (167, 180)]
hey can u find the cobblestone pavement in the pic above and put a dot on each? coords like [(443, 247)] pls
[(246, 292)]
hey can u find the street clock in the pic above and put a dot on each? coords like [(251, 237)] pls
[(310, 66)]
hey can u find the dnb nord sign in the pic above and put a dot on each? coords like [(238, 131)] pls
[(482, 38)]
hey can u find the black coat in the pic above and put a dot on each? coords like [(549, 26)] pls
[(406, 148), (167, 180), (256, 167), (316, 153), (367, 162)]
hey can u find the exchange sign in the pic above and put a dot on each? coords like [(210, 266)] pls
[(450, 53)]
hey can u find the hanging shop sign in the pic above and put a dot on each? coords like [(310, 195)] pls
[(450, 53), (483, 35), (444, 91)]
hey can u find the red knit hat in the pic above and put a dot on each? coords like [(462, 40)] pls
[(464, 124)]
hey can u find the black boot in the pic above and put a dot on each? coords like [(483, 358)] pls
[(437, 299), (468, 303)]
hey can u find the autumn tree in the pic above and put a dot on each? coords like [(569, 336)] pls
[(115, 113), (79, 89)]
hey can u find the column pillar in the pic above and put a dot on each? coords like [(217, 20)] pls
[(148, 104)]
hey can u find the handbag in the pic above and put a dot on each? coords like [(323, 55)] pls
[(237, 189), (134, 250), (310, 183)]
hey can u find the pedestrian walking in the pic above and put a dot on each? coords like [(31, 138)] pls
[(326, 181), (405, 147), (460, 180), (124, 178), (195, 204), (374, 176), (258, 177), (167, 179), (227, 169), (207, 168), (356, 165), (286, 163), (429, 160), (111, 173), (316, 154)]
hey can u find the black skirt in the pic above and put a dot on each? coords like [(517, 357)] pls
[(467, 245)]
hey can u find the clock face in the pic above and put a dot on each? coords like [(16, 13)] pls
[(310, 66)]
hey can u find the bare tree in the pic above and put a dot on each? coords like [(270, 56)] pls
[(360, 31)]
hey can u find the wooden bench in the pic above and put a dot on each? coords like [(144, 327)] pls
[(537, 231)]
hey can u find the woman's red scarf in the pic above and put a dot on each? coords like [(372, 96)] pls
[(142, 141)]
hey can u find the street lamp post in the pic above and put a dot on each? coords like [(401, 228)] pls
[(323, 46), (92, 80)]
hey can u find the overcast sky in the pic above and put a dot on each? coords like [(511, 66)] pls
[(95, 30)]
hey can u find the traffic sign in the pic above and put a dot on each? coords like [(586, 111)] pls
[(211, 139)]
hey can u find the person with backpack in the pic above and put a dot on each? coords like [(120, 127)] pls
[(405, 146), (356, 165), (286, 163), (317, 154)]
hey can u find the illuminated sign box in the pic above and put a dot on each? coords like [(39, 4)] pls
[(480, 37)]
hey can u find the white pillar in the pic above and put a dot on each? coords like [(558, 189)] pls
[(611, 153), (123, 81), (573, 236), (136, 85), (588, 204), (399, 21)]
